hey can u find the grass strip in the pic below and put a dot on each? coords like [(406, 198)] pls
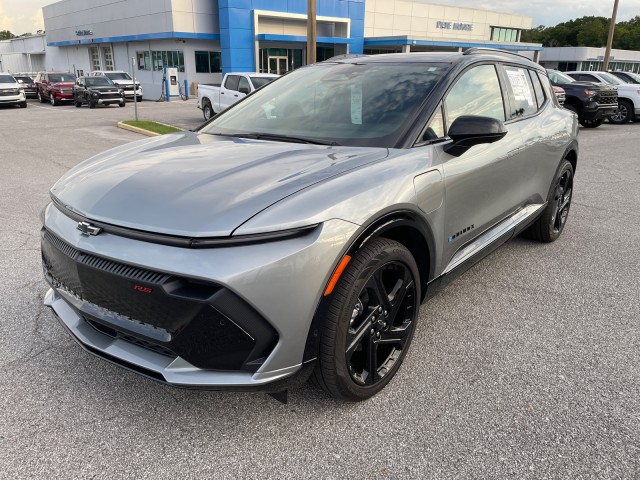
[(159, 128)]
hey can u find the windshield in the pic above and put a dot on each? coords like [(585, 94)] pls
[(261, 81), (7, 79), (62, 77), (610, 79), (635, 78), (557, 77), (118, 75), (98, 82), (346, 103)]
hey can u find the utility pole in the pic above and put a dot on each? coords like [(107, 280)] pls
[(311, 31), (612, 27)]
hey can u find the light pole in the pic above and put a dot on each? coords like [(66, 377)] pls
[(612, 27), (311, 32)]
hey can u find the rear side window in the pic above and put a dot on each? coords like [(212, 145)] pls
[(522, 92), (537, 88), (232, 82), (476, 92)]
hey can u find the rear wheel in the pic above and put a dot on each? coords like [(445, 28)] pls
[(370, 321), (624, 114), (548, 227), (207, 111)]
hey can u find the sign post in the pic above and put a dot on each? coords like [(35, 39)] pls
[(135, 90)]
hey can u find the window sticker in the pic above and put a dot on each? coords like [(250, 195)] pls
[(356, 104), (520, 86)]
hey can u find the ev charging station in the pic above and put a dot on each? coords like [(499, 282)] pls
[(171, 85)]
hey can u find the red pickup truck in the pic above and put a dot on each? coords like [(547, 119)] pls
[(55, 87)]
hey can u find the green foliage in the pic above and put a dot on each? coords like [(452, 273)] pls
[(6, 35), (586, 32)]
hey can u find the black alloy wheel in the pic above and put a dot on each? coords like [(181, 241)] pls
[(623, 114), (371, 321), (548, 227)]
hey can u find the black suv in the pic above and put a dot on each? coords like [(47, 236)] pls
[(593, 103), (96, 91)]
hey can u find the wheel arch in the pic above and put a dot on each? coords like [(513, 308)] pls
[(403, 226)]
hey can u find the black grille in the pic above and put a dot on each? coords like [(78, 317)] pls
[(6, 93), (606, 98), (199, 321)]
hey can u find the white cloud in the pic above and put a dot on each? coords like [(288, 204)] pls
[(6, 22)]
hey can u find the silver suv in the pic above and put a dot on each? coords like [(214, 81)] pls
[(297, 233)]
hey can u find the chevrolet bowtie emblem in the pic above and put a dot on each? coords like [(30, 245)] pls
[(87, 229)]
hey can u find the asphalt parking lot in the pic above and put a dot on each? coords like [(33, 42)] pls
[(528, 366)]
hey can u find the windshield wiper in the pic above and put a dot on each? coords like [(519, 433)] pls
[(281, 138)]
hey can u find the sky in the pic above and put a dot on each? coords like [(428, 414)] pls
[(21, 16)]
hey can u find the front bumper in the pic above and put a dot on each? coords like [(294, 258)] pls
[(108, 101), (595, 111), (264, 279), (66, 96), (19, 98)]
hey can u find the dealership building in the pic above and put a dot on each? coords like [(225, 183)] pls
[(204, 39), (567, 59)]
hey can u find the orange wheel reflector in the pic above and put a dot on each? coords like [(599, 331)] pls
[(336, 275)]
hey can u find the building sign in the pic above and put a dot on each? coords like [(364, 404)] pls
[(454, 26), (83, 33)]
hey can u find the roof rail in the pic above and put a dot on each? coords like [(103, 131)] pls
[(474, 50)]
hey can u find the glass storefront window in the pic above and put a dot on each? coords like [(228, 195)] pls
[(208, 62)]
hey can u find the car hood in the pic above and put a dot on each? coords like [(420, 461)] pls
[(199, 185), (10, 86)]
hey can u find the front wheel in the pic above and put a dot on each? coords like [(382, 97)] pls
[(52, 98), (624, 114), (370, 322), (40, 98), (121, 104), (23, 104), (548, 227)]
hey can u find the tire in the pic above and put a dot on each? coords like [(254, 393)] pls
[(40, 98), (207, 111), (53, 101), (139, 99), (121, 104), (92, 104), (370, 321), (591, 123), (549, 226), (624, 114), (23, 105)]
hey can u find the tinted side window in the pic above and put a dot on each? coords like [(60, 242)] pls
[(244, 83), (476, 92), (522, 91), (537, 88), (232, 82)]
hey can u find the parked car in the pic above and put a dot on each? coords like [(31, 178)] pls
[(593, 102), (560, 94), (214, 98), (628, 77), (97, 91), (11, 92), (28, 84), (262, 249), (628, 94), (123, 80), (55, 87)]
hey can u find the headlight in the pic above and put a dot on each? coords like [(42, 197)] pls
[(121, 92), (590, 93), (95, 94)]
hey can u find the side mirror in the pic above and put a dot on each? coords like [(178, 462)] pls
[(244, 90), (469, 130)]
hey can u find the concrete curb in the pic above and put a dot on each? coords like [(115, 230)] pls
[(144, 131)]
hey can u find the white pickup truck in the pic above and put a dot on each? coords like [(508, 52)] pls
[(214, 98)]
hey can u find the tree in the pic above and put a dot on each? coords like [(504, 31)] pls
[(6, 35)]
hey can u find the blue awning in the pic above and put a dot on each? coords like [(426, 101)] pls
[(271, 37)]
